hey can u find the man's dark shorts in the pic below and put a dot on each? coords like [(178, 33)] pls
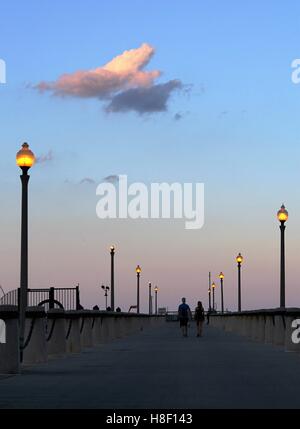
[(183, 321)]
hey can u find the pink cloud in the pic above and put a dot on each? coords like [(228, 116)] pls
[(122, 83), (124, 72)]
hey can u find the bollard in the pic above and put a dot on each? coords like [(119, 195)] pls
[(56, 333), (73, 344), (35, 347), (9, 345)]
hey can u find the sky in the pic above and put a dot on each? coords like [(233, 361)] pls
[(173, 91)]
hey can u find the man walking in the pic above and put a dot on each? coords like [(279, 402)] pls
[(184, 315)]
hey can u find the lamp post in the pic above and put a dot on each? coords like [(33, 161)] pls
[(239, 259), (106, 289), (25, 160), (213, 286), (221, 277), (209, 291), (138, 274), (156, 290), (112, 278), (282, 216), (150, 298)]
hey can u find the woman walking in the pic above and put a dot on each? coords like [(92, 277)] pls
[(199, 318)]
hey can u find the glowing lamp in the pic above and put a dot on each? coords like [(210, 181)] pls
[(138, 270), (239, 259), (282, 214), (221, 276), (25, 157), (213, 285)]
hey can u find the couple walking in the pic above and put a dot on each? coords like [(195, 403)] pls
[(185, 314)]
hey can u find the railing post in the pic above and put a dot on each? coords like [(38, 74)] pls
[(51, 297), (18, 298), (77, 298)]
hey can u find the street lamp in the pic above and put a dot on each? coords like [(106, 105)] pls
[(25, 160), (209, 290), (106, 289), (156, 290), (138, 274), (213, 286), (112, 278), (221, 277), (239, 259), (150, 298), (282, 216)]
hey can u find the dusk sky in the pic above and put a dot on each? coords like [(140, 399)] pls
[(203, 94)]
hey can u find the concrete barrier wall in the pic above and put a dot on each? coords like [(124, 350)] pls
[(73, 343), (9, 348), (97, 331), (280, 327), (35, 347), (58, 332), (86, 328)]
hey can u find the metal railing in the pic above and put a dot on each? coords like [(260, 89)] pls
[(172, 316), (67, 298), (10, 298)]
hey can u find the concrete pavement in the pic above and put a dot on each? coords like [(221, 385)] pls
[(158, 368)]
